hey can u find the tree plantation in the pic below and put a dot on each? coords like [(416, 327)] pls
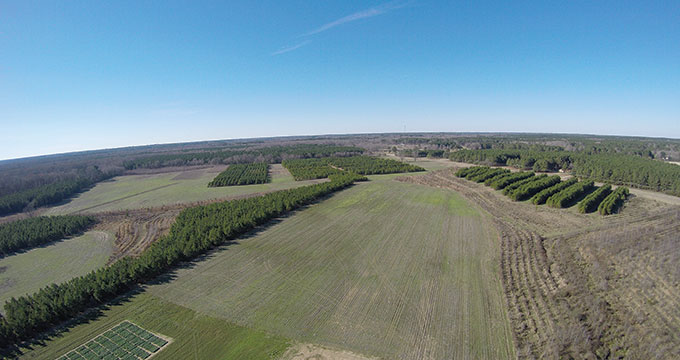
[(544, 189), (306, 169), (242, 174), (617, 168)]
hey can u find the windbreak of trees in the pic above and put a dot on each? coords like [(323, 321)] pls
[(613, 202), (516, 185), (242, 174), (48, 194), (526, 191), (617, 168), (594, 199), (271, 154), (544, 189), (542, 196), (195, 231), (306, 169), (32, 232), (568, 196)]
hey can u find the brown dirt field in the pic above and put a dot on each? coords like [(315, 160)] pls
[(315, 352), (585, 286)]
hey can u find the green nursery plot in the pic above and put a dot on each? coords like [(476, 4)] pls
[(124, 341)]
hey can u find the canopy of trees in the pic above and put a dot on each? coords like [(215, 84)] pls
[(306, 169), (32, 232), (242, 174), (271, 154), (48, 194), (591, 202), (624, 169), (612, 203)]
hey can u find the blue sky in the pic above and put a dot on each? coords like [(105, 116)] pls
[(78, 75)]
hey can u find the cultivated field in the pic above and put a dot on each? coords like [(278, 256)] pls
[(581, 287), (153, 190), (384, 269), (57, 262), (194, 336)]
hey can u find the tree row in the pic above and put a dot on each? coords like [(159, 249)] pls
[(544, 189), (622, 169), (195, 231), (242, 174), (32, 232)]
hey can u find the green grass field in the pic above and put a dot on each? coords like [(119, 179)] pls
[(194, 336), (140, 191), (383, 269), (57, 262)]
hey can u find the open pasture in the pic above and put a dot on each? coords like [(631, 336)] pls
[(26, 272), (383, 269), (193, 335), (142, 191)]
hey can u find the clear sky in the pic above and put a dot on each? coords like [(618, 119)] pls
[(78, 75)]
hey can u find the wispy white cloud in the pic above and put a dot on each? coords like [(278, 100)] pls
[(290, 48), (368, 13), (374, 11)]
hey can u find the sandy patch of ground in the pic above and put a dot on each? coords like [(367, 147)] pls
[(316, 352)]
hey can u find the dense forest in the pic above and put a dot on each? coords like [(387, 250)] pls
[(195, 231), (242, 174), (306, 169), (48, 194), (32, 232), (271, 154), (630, 170)]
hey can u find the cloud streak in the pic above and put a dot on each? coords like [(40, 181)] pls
[(290, 48), (368, 13)]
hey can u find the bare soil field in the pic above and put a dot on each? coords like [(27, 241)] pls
[(584, 286)]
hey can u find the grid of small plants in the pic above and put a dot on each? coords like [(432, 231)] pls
[(124, 341)]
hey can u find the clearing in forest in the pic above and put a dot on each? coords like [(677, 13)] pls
[(384, 268)]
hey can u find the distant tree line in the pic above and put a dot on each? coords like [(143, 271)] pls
[(36, 231), (614, 168), (195, 231), (242, 174), (271, 154)]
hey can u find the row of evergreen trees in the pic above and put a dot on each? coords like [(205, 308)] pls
[(544, 189), (195, 231), (32, 232), (623, 169), (242, 174)]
